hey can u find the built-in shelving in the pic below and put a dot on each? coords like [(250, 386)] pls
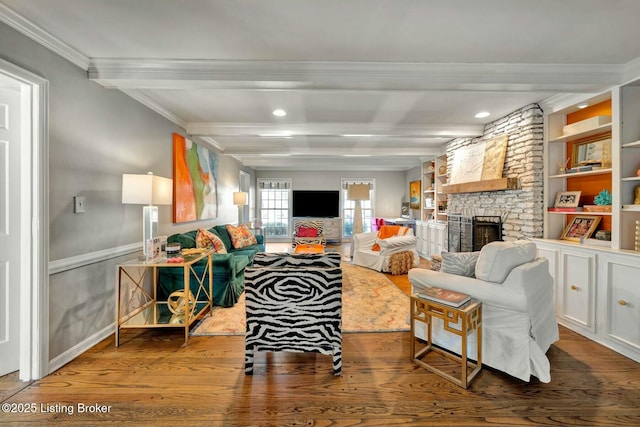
[(586, 173), (584, 134)]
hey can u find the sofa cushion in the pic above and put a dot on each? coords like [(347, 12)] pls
[(497, 259), (187, 240), (459, 263), (241, 236), (207, 239), (221, 231)]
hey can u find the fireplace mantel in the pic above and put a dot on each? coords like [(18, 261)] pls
[(478, 186)]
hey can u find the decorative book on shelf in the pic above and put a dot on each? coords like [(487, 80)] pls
[(576, 209), (444, 296)]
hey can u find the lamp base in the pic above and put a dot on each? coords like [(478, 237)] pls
[(149, 226)]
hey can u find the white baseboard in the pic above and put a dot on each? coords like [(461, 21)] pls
[(75, 351)]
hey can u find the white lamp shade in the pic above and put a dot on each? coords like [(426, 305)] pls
[(146, 189), (240, 198), (358, 192)]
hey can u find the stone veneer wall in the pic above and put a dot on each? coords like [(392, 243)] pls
[(521, 209)]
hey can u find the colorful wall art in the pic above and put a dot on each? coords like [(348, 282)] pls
[(195, 181), (414, 194)]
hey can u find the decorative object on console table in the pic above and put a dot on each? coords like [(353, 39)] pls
[(444, 296), (240, 199), (149, 190), (580, 228), (357, 193)]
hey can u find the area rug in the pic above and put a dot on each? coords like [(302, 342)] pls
[(370, 303)]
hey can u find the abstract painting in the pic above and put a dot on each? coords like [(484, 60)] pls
[(195, 181), (414, 194)]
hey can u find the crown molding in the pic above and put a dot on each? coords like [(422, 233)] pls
[(632, 71), (34, 32), (150, 103)]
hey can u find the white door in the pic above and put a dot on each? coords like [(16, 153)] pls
[(9, 226)]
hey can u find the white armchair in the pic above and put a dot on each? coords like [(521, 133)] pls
[(518, 314), (364, 256)]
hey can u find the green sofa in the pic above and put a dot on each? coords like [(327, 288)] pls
[(228, 269)]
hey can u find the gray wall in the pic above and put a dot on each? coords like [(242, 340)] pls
[(388, 199), (95, 136)]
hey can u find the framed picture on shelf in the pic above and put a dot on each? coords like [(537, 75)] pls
[(592, 153), (567, 199), (580, 227)]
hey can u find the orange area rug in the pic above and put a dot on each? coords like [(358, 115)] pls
[(370, 303)]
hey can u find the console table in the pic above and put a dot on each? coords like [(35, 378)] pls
[(460, 321), (137, 305)]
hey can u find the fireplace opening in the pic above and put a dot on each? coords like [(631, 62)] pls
[(471, 233)]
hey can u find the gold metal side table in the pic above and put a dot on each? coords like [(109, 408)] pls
[(460, 321), (137, 305)]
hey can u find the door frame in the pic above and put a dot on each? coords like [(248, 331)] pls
[(34, 226)]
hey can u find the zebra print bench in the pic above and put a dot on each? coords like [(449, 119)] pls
[(294, 303)]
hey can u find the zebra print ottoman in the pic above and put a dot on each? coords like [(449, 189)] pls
[(294, 305)]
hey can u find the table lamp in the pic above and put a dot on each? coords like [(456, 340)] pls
[(240, 199), (149, 190), (357, 192)]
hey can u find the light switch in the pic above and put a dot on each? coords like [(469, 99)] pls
[(79, 204)]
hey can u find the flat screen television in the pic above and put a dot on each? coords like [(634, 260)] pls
[(316, 203)]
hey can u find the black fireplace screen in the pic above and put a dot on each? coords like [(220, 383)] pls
[(469, 234)]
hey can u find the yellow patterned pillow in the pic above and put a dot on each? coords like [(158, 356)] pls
[(241, 236), (206, 239)]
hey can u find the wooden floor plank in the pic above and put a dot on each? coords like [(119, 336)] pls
[(152, 380)]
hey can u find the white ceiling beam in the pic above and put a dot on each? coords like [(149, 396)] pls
[(325, 129), (282, 75)]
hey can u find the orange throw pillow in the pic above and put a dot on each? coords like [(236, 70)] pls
[(387, 231), (206, 239), (241, 236)]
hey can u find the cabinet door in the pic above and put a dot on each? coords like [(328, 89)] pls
[(441, 235), (578, 288), (623, 301), (552, 255)]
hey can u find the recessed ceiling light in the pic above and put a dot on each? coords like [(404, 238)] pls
[(583, 105), (279, 112), (482, 114)]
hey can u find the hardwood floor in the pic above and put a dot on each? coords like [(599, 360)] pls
[(150, 380)]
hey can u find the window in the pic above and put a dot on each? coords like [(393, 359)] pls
[(348, 209), (274, 204)]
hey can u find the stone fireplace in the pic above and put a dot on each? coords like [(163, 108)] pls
[(521, 209)]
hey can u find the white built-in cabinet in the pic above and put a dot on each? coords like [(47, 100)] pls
[(597, 293), (431, 229), (597, 287)]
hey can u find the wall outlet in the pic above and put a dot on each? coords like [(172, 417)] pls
[(79, 204)]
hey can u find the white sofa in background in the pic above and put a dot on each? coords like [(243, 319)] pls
[(364, 256), (518, 315)]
